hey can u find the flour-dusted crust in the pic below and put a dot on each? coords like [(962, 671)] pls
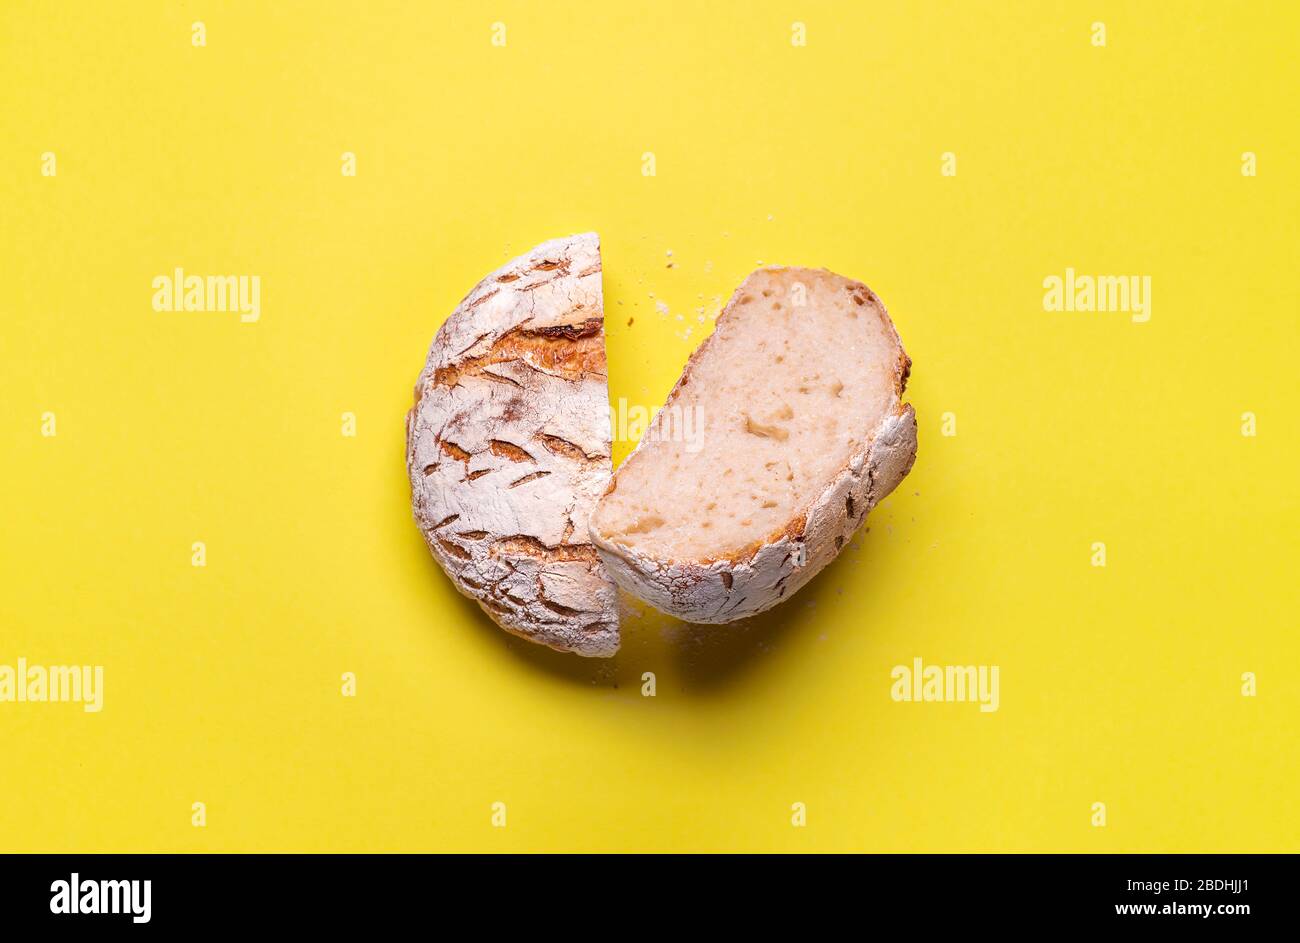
[(758, 576), (508, 447)]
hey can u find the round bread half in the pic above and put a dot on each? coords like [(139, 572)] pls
[(508, 448), (784, 430)]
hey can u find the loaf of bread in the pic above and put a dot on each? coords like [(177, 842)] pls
[(508, 447), (796, 430)]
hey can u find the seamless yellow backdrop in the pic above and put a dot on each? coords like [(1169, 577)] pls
[(1119, 684)]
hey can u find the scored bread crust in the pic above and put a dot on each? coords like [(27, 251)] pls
[(508, 447), (756, 577)]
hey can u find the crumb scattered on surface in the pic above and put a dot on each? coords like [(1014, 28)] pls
[(629, 321)]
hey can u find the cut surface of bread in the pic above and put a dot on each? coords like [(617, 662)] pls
[(785, 428), (508, 448)]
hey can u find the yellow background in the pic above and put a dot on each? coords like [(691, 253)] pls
[(1119, 684)]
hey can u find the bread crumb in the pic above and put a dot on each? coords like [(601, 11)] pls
[(629, 321)]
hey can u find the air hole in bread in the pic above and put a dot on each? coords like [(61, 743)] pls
[(765, 430), (645, 524)]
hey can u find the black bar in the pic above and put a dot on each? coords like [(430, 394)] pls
[(207, 892)]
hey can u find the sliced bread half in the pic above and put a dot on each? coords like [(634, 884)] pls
[(796, 430), (508, 447)]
